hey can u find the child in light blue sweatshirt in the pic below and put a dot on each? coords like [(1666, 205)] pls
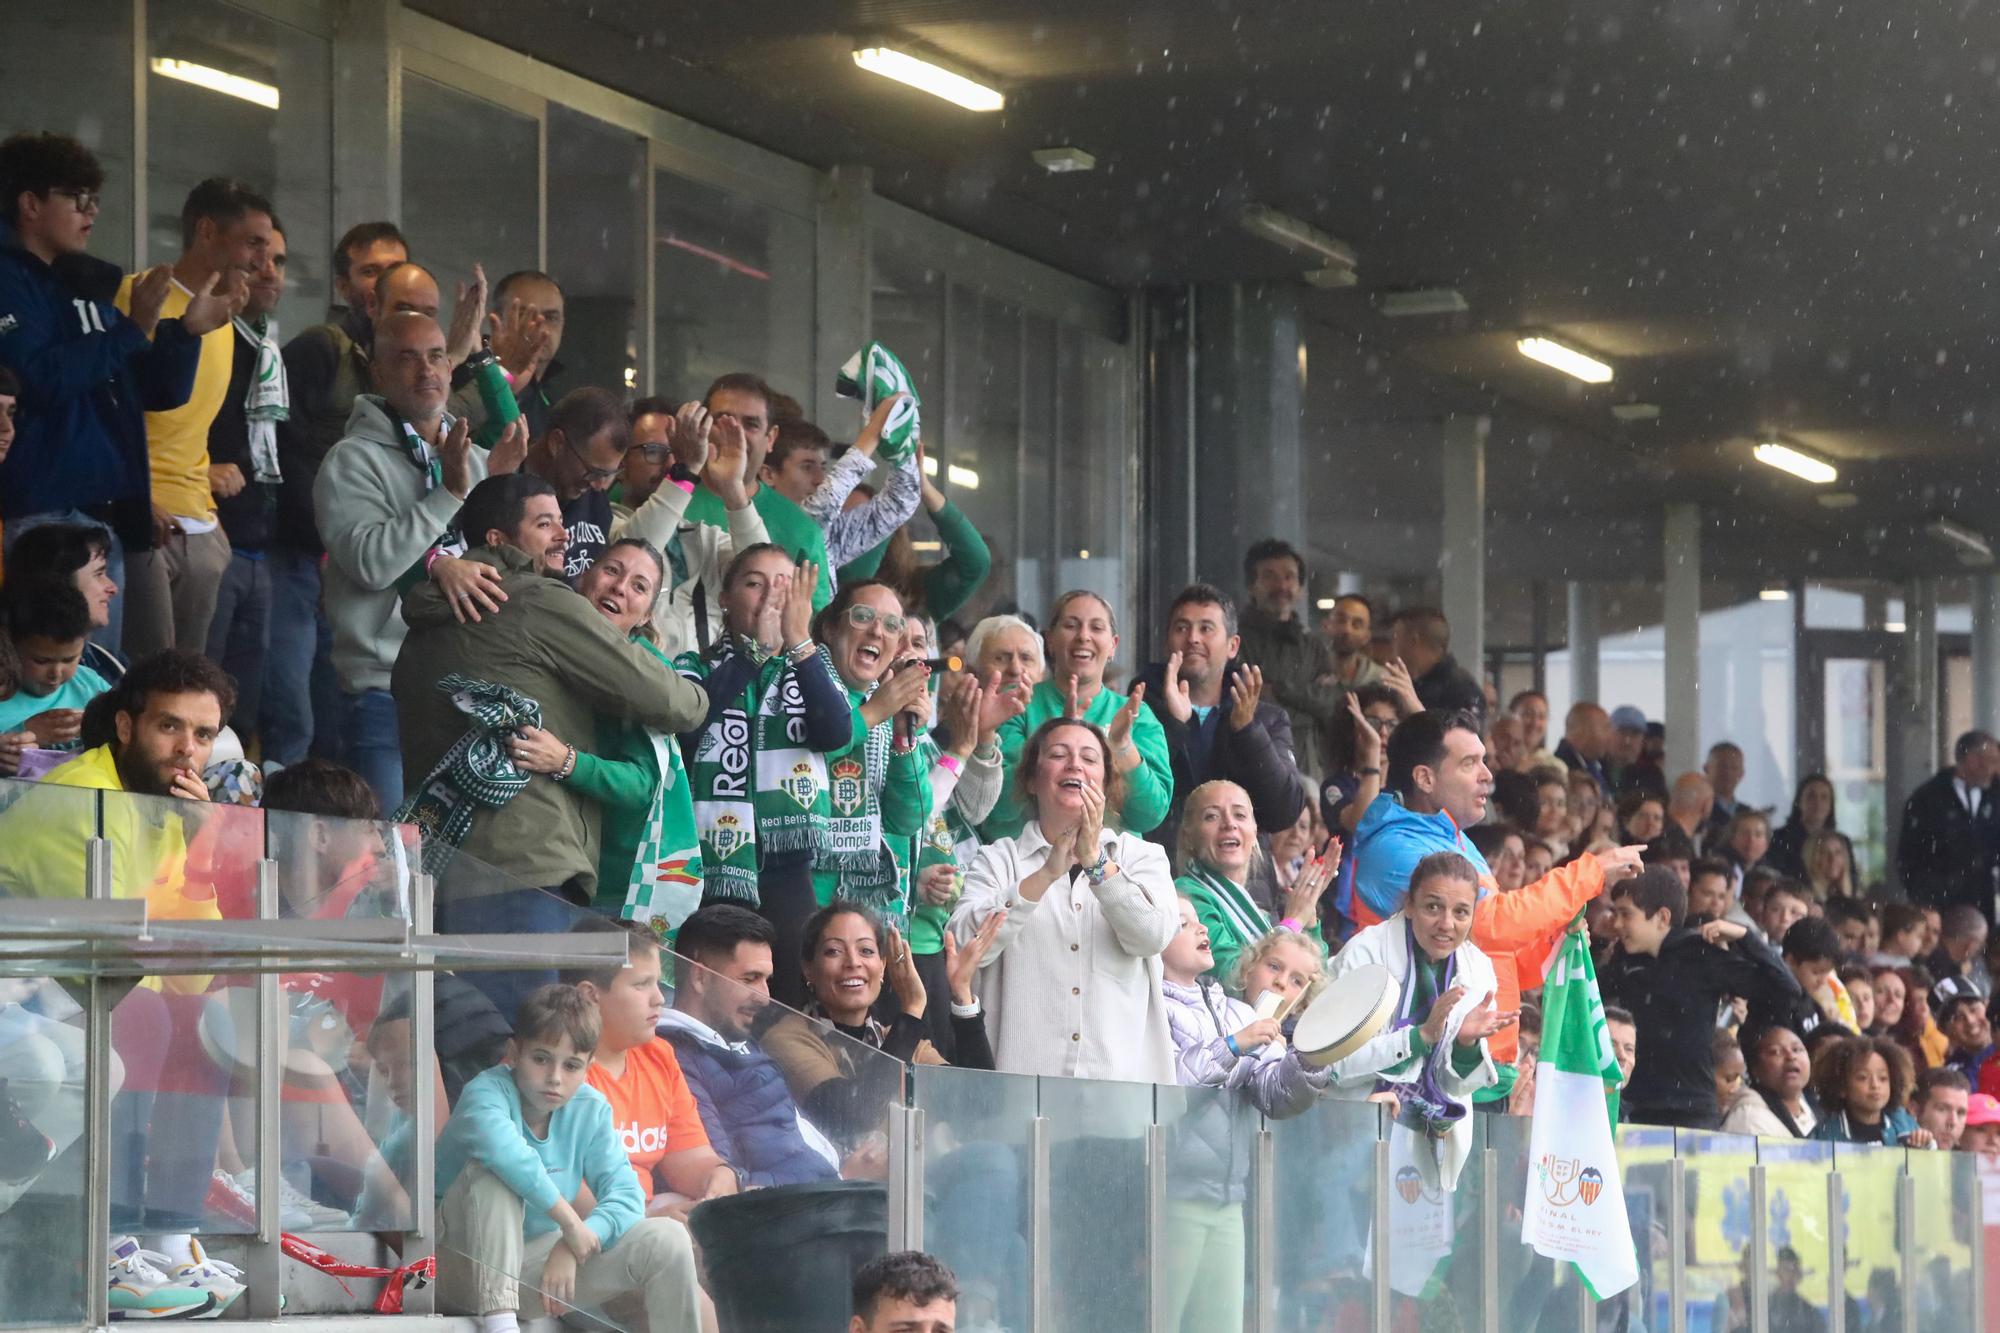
[(527, 1138)]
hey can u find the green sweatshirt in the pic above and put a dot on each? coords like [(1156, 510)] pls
[(905, 798), (1149, 788), (620, 777), (949, 584)]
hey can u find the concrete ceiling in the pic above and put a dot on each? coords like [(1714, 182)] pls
[(1771, 217)]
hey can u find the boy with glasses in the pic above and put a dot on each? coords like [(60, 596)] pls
[(88, 372)]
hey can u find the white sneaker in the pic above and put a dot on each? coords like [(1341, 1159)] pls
[(297, 1211), (140, 1290), (223, 1281)]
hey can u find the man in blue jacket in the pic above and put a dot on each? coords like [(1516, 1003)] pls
[(748, 1111), (88, 373)]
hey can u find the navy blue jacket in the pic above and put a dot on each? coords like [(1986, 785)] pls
[(749, 1113), (88, 377)]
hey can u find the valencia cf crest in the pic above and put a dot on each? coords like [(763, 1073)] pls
[(802, 784), (728, 837), (847, 790)]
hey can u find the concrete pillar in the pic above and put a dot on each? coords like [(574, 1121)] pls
[(1912, 731), (842, 314), (1682, 564), (1986, 652), (1249, 393), (1583, 680), (367, 114), (1462, 556)]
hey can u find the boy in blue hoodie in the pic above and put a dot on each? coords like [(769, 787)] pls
[(527, 1142)]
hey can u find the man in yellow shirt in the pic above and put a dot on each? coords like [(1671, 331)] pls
[(170, 591)]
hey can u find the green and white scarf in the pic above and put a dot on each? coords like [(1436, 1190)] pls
[(269, 399), (1248, 920), (756, 788), (666, 882), (474, 774), (867, 869), (872, 374)]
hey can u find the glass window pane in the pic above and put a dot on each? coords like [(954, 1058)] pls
[(1035, 570), (733, 284), (597, 173), (1868, 1175), (977, 440), (72, 64), (977, 1165), (284, 152), (1795, 1230), (1325, 1213), (1091, 483), (1716, 1169), (470, 176), (1097, 1223)]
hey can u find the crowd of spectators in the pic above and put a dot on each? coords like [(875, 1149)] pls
[(673, 668)]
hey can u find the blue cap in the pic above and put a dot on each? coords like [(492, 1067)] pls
[(1627, 718)]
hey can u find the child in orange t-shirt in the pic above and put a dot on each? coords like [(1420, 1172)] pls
[(638, 1074)]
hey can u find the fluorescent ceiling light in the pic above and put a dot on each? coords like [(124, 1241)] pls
[(1838, 499), (1083, 555), (1327, 603), (1777, 592), (1636, 411), (1062, 160), (926, 546), (1423, 301), (1972, 548), (1804, 466), (1566, 359), (215, 80), (927, 77), (1894, 626), (1332, 276), (1288, 231), (962, 476), (930, 466)]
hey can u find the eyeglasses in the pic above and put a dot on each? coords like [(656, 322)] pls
[(652, 453), (589, 473), (86, 201), (861, 617)]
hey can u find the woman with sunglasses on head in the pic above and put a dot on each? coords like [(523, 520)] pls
[(878, 783)]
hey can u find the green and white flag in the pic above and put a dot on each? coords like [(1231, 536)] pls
[(872, 374), (1575, 1208)]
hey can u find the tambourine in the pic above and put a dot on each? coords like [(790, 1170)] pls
[(1353, 1010)]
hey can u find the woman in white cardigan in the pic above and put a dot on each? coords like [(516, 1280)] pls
[(1072, 984), (1433, 1053)]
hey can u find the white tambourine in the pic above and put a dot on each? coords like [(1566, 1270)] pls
[(1351, 1011)]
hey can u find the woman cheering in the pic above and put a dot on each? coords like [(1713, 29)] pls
[(1073, 977), (1218, 849)]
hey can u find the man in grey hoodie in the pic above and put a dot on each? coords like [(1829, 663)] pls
[(384, 496)]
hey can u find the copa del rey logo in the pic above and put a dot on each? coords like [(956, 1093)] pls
[(1566, 1181)]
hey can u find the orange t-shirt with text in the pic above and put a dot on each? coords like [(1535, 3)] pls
[(652, 1108)]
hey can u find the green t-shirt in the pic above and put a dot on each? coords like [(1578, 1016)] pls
[(790, 527)]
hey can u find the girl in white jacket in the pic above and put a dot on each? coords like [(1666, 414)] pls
[(1219, 1042), (1433, 1053)]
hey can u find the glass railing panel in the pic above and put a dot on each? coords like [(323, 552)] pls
[(1535, 1291), (1210, 1141), (1715, 1169), (1435, 1276), (1097, 1203), (1645, 1157), (349, 1071), (1796, 1257), (1874, 1279), (1323, 1206), (1946, 1235), (978, 1185)]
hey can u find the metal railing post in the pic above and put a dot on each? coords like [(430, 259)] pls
[(1758, 1285), (263, 1258), (1489, 1240), (1040, 1220), (1156, 1227), (1677, 1246), (424, 1108), (1906, 1245), (1836, 1254), (906, 1178), (1264, 1238), (97, 1106), (1378, 1239)]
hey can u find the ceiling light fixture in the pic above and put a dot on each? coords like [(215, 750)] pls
[(930, 465), (1327, 603), (1777, 592), (1567, 359), (1062, 160), (1838, 500), (961, 476), (1972, 547), (1630, 412), (215, 80), (1301, 237), (1421, 301), (1894, 626), (928, 76), (1789, 458)]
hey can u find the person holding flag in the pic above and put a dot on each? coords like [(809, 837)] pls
[(1575, 1206)]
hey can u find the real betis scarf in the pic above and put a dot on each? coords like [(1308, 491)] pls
[(475, 773), (755, 787), (1575, 1208), (1243, 915), (269, 398), (868, 870), (872, 374), (666, 882)]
